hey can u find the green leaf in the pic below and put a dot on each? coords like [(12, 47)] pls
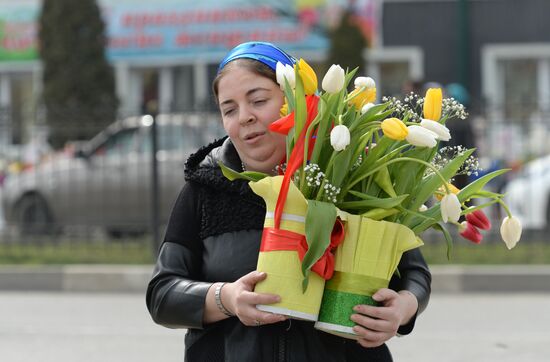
[(477, 186), (374, 114), (408, 175), (323, 129), (320, 220), (433, 182), (379, 214), (383, 179), (289, 95), (374, 154), (233, 175), (472, 190), (341, 165), (371, 201)]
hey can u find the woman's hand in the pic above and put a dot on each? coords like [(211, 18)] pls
[(376, 325), (240, 299)]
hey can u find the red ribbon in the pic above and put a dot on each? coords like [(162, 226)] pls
[(296, 158), (283, 240)]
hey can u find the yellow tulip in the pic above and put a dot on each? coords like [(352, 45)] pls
[(284, 110), (309, 78), (455, 190), (432, 104), (395, 129), (360, 97)]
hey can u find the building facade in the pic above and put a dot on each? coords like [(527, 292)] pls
[(499, 50)]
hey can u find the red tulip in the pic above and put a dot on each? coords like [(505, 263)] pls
[(479, 220), (283, 125), (470, 232)]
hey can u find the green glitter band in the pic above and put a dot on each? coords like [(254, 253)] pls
[(343, 292), (337, 307), (355, 283)]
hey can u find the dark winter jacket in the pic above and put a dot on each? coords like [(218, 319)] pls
[(214, 235)]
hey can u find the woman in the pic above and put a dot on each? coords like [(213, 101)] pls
[(205, 273)]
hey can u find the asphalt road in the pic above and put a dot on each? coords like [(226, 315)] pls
[(67, 327)]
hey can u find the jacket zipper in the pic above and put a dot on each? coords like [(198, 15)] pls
[(282, 347)]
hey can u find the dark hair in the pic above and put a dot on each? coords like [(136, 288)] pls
[(252, 65)]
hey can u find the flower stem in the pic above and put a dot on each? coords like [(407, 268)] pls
[(400, 159)]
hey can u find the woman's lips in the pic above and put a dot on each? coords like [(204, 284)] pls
[(253, 137)]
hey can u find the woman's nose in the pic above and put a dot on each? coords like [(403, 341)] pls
[(247, 117)]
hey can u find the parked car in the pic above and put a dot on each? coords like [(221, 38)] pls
[(528, 195), (106, 181)]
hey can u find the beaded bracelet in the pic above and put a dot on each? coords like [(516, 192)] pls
[(217, 297)]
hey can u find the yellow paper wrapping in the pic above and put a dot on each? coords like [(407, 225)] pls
[(365, 262), (283, 268)]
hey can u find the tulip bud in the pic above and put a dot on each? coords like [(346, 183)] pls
[(442, 132), (333, 82), (394, 128), (366, 82), (510, 230), (421, 137), (339, 137), (450, 208), (361, 96), (366, 108), (309, 78), (432, 104), (470, 232), (455, 190), (479, 220), (423, 208), (283, 71)]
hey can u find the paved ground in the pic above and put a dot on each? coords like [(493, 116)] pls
[(92, 327)]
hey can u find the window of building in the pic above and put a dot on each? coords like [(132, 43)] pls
[(394, 67), (519, 79)]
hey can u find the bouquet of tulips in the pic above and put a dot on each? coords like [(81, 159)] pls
[(361, 183)]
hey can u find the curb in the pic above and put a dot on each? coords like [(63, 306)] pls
[(491, 279), (134, 279), (76, 278)]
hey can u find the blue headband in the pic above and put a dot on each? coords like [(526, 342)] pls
[(263, 52)]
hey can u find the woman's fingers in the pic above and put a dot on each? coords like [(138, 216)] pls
[(257, 298), (259, 318), (372, 324), (245, 301), (252, 278)]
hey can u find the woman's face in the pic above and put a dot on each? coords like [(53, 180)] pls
[(249, 103)]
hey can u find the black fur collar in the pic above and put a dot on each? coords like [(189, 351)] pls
[(202, 167)]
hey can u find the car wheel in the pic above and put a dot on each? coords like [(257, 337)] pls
[(33, 216)]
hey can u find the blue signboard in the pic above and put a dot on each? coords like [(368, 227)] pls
[(141, 29), (191, 28)]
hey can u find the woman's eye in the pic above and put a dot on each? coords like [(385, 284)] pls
[(260, 102), (228, 112)]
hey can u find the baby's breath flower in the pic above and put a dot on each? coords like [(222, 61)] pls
[(448, 153)]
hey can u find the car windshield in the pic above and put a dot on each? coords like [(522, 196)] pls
[(121, 143), (175, 137)]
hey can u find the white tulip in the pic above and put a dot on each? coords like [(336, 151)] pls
[(333, 82), (366, 82), (339, 137), (442, 132), (366, 107), (423, 208), (450, 208), (510, 230), (421, 137), (283, 71)]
